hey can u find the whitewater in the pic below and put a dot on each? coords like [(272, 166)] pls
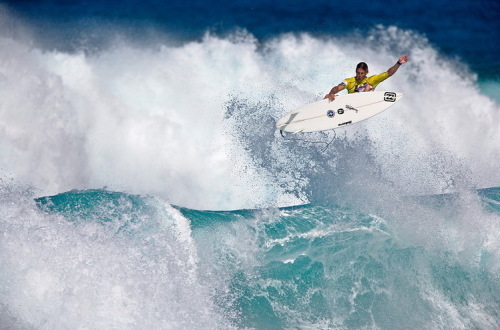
[(143, 185)]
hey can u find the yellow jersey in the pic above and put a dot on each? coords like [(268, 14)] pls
[(353, 86)]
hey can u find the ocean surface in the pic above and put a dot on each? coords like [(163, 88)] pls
[(143, 184)]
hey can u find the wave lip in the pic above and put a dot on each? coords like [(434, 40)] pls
[(110, 252), (330, 266), (100, 259)]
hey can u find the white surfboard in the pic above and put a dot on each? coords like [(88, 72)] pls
[(344, 110)]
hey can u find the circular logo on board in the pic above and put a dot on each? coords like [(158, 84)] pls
[(340, 111), (330, 113)]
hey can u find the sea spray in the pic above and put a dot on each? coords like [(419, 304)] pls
[(146, 119)]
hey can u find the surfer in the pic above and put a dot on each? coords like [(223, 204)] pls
[(362, 83)]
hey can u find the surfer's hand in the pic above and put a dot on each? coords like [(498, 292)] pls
[(403, 59), (330, 96)]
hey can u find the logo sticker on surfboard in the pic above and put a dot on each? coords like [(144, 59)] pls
[(390, 97), (330, 113)]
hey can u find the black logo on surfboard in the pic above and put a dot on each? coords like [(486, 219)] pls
[(330, 113), (340, 111), (390, 97), (346, 123)]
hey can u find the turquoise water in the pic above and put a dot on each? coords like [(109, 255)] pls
[(320, 266)]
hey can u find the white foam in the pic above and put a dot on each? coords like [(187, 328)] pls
[(59, 274), (154, 120)]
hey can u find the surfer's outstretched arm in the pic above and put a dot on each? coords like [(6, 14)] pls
[(392, 70)]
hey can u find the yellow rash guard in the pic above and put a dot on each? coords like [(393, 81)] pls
[(354, 87)]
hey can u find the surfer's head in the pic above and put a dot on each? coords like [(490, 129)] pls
[(361, 71)]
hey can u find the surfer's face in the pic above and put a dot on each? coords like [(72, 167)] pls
[(360, 74)]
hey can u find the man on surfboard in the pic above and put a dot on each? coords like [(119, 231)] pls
[(362, 83)]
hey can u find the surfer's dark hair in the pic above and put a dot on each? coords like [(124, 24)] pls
[(362, 65)]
